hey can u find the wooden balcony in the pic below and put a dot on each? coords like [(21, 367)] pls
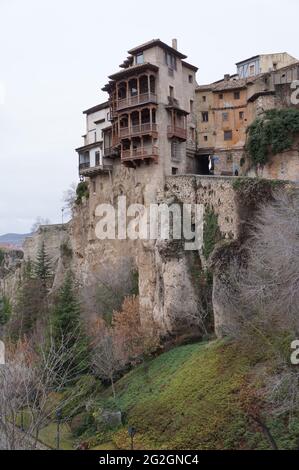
[(84, 166), (110, 152), (132, 101), (94, 170), (140, 129), (140, 154), (178, 132)]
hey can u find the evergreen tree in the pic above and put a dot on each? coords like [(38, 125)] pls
[(43, 267), (5, 310), (66, 324)]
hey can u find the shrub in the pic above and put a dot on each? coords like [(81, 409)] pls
[(82, 191), (272, 133)]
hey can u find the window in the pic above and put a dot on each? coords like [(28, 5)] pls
[(94, 186), (204, 99), (171, 91), (224, 116), (174, 170), (191, 106), (241, 115), (228, 135), (220, 96), (95, 136), (237, 95), (140, 58), (97, 158), (170, 60), (205, 116), (190, 78), (252, 70), (205, 138)]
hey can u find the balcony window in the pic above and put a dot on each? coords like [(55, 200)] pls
[(140, 58)]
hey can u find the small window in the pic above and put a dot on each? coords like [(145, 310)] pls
[(94, 186), (191, 106), (241, 115), (205, 116), (174, 170), (140, 58), (252, 70), (220, 96), (205, 138), (228, 135), (237, 95), (224, 116), (171, 91), (190, 78), (204, 99), (95, 136), (97, 158)]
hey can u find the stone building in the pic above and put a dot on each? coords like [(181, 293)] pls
[(149, 123), (227, 107)]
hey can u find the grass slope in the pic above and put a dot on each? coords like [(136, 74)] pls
[(187, 398)]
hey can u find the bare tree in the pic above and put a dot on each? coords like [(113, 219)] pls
[(260, 293), (27, 381), (38, 222), (105, 361)]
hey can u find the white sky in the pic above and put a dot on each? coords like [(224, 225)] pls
[(55, 56)]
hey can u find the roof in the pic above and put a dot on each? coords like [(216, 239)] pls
[(153, 43), (96, 108), (131, 70), (190, 66), (262, 55), (249, 59), (230, 84)]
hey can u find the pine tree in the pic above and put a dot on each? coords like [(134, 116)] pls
[(42, 267), (66, 324)]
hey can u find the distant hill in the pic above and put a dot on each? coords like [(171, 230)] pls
[(13, 239)]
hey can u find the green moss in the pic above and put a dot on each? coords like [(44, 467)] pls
[(211, 232), (273, 133)]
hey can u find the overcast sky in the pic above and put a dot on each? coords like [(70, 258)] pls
[(55, 56)]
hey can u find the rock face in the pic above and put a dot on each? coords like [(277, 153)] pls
[(169, 291)]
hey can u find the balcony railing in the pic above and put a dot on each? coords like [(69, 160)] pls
[(136, 100), (83, 166), (138, 129), (175, 131), (140, 153), (95, 170)]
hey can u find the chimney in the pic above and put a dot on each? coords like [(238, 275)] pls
[(175, 44), (226, 77)]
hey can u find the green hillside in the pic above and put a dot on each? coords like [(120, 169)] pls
[(191, 398)]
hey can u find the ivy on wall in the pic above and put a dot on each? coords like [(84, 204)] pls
[(273, 133), (211, 232), (82, 191)]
